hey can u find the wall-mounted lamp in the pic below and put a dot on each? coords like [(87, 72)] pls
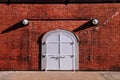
[(95, 21), (25, 22)]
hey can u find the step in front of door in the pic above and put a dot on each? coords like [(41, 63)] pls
[(63, 75)]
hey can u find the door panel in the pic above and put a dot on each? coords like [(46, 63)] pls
[(52, 49), (66, 49), (53, 38), (66, 63), (52, 63), (65, 38)]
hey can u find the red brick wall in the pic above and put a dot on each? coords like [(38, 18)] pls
[(99, 48)]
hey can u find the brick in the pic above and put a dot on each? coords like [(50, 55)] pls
[(19, 42)]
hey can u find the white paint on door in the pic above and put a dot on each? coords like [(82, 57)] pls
[(59, 51)]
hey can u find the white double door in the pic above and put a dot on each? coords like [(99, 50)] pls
[(60, 49)]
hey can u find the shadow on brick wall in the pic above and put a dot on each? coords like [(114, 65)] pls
[(40, 49), (84, 26), (13, 27)]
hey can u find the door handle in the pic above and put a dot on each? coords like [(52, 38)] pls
[(53, 57), (56, 57), (62, 56)]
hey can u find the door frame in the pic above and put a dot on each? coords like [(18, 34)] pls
[(43, 46)]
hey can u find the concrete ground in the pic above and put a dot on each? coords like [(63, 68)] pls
[(59, 75)]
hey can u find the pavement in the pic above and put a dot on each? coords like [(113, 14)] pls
[(59, 75)]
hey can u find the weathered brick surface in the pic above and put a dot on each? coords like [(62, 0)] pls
[(98, 45)]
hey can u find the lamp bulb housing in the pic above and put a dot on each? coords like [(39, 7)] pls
[(25, 22), (95, 21)]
